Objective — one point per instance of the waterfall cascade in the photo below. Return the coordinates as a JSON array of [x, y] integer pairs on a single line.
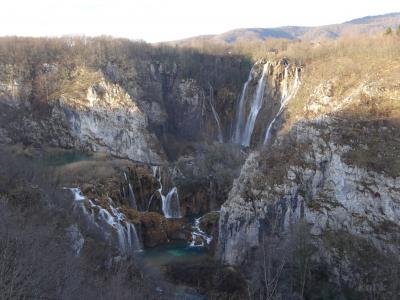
[[127, 239], [215, 114], [170, 202], [198, 234], [131, 194], [256, 105], [244, 127], [287, 94], [237, 135]]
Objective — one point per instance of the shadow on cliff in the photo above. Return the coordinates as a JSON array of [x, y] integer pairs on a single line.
[[170, 84]]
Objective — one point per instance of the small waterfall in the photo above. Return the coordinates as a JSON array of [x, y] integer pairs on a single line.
[[241, 110], [255, 107], [132, 197], [285, 98], [132, 237], [285, 83], [131, 194], [127, 238], [155, 170], [215, 114], [78, 196], [268, 133], [170, 202], [197, 232], [75, 238]]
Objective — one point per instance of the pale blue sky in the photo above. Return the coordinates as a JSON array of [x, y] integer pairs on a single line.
[[163, 20]]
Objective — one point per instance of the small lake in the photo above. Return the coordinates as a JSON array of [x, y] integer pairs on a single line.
[[172, 253], [177, 252]]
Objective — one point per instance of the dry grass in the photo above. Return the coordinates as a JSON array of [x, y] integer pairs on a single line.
[[369, 71], [92, 170], [77, 85], [348, 63], [374, 144], [369, 50]]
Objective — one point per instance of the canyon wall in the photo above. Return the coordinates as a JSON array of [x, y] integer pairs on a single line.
[[336, 171]]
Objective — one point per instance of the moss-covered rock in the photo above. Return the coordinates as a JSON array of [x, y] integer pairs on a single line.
[[156, 230], [209, 222]]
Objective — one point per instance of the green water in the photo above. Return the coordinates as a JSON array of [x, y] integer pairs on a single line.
[[176, 252], [164, 259]]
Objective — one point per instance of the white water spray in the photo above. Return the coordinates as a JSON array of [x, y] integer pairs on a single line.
[[127, 238], [132, 198], [215, 114], [241, 110], [285, 98], [170, 202], [255, 107], [199, 235]]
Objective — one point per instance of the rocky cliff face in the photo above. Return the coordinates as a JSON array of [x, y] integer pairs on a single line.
[[174, 89], [95, 115], [327, 158], [270, 86], [323, 172], [179, 102], [134, 101]]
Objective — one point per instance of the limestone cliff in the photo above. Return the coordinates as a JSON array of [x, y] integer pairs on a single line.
[[87, 113], [130, 99], [337, 170]]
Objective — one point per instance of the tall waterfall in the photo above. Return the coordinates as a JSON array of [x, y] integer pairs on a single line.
[[127, 239], [285, 98], [170, 202], [237, 135], [215, 114], [256, 105]]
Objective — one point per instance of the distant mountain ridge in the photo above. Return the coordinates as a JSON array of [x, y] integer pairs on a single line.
[[368, 25]]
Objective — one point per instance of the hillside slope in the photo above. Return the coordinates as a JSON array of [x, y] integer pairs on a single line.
[[321, 200], [313, 213], [366, 26]]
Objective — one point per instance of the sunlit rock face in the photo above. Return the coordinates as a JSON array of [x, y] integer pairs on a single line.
[[102, 117], [124, 108], [306, 176], [108, 120], [334, 169]]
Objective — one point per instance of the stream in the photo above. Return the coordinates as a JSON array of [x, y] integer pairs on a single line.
[[110, 219]]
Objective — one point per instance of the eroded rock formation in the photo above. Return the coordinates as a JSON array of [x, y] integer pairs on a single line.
[[323, 172]]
